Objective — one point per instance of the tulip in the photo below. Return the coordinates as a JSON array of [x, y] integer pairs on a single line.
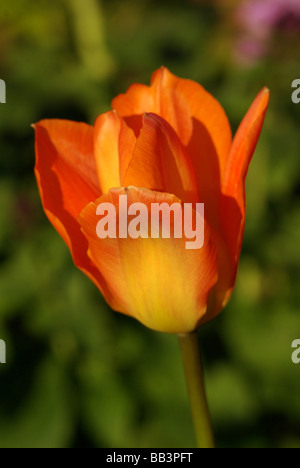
[[170, 141], [164, 143]]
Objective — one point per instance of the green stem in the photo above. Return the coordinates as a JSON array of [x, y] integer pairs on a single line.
[[195, 384]]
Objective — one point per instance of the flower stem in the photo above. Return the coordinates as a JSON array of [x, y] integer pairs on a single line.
[[195, 384]]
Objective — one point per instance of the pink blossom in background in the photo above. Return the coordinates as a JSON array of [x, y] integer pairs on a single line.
[[259, 21], [249, 50]]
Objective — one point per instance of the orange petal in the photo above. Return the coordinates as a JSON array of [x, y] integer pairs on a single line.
[[178, 101], [159, 161], [67, 179], [232, 206], [203, 128], [138, 99], [199, 121], [181, 100], [113, 143], [233, 182], [243, 147], [132, 105], [157, 281]]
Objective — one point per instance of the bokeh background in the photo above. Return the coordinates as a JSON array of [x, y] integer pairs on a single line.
[[77, 374]]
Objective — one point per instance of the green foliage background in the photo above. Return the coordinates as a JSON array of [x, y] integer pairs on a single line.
[[78, 374]]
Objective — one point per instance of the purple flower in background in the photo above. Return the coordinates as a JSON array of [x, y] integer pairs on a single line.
[[260, 20]]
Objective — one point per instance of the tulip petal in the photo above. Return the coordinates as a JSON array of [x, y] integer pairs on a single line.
[[181, 100], [233, 184], [199, 121], [158, 281], [138, 100], [243, 147], [160, 162], [67, 179], [233, 206], [114, 143], [202, 127], [178, 101]]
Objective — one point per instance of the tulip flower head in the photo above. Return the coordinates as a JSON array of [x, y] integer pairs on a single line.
[[166, 147]]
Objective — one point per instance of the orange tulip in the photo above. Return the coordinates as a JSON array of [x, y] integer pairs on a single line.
[[170, 142]]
